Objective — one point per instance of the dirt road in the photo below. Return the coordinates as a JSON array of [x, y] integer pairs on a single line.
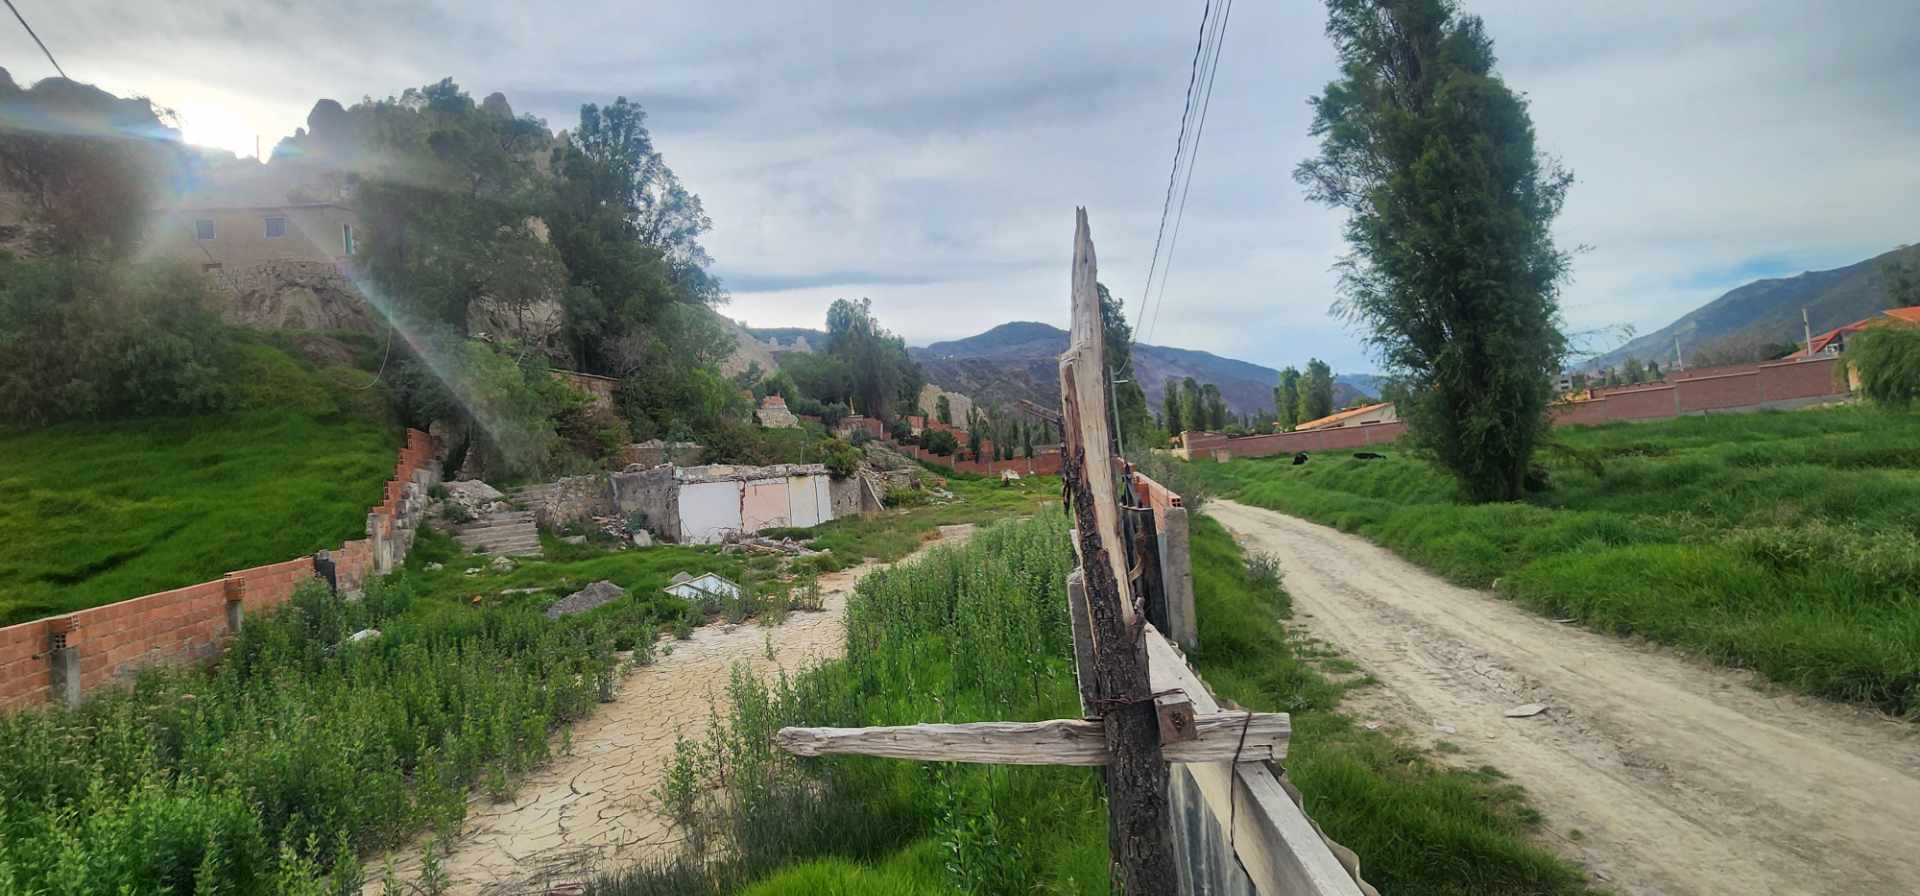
[[1679, 778], [593, 808]]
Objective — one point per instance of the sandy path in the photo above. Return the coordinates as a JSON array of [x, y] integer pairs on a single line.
[[594, 809], [1680, 778]]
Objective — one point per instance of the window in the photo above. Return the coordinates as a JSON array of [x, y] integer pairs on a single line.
[[203, 229], [346, 239], [276, 226]]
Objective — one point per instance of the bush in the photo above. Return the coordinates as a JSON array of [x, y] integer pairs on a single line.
[[90, 340], [842, 459], [1888, 360], [941, 442]]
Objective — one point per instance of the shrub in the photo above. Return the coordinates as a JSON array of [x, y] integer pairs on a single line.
[[90, 340], [941, 442], [1888, 360], [842, 459]]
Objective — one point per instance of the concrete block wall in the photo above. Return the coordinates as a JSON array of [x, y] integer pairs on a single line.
[[62, 658]]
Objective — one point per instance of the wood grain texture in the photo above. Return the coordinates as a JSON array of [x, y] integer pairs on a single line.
[[1282, 851], [1216, 738]]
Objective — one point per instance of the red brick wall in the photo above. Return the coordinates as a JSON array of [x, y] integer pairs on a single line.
[[182, 625], [1041, 464], [1785, 380]]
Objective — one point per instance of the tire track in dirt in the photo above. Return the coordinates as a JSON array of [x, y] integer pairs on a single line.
[[594, 809], [1680, 777]]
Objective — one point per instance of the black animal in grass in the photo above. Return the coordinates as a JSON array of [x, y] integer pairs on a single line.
[[1299, 458], [1368, 455]]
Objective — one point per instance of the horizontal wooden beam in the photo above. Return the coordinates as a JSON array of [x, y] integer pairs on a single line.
[[1217, 737]]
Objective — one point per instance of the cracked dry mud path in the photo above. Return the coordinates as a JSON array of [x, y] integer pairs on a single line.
[[594, 808], [1681, 778]]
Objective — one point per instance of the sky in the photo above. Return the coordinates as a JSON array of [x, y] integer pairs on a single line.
[[930, 156]]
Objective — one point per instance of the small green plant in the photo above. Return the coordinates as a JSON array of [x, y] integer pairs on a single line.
[[808, 597], [434, 880], [684, 625], [645, 644]]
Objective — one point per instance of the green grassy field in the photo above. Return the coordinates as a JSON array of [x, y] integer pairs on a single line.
[[94, 513], [1785, 542], [1418, 826], [895, 532]]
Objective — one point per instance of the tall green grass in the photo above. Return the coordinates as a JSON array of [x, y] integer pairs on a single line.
[[1785, 542], [301, 750], [92, 513], [1418, 827], [964, 634]]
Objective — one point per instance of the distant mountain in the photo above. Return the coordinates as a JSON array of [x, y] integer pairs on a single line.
[[1021, 360], [1768, 311]]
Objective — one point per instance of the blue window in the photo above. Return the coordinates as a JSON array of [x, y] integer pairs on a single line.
[[203, 229], [276, 226]]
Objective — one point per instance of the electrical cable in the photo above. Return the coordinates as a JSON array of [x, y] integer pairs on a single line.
[[37, 40]]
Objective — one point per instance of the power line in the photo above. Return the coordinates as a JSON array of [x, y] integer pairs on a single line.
[[1179, 149], [37, 40], [1186, 189]]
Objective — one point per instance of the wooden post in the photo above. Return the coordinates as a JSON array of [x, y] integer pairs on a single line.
[[1145, 549], [1140, 831]]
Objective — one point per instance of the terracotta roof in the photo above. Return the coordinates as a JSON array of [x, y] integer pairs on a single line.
[[1338, 416], [1909, 314]]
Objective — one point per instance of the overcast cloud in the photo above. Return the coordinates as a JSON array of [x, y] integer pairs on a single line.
[[930, 158]]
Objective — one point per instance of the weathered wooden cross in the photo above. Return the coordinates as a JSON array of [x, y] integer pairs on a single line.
[[1130, 730]]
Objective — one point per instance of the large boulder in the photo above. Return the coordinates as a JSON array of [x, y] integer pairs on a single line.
[[598, 594]]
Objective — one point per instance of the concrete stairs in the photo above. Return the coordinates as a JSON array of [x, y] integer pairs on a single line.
[[510, 533]]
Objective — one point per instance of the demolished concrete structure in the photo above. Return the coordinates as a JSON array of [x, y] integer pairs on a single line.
[[705, 504]]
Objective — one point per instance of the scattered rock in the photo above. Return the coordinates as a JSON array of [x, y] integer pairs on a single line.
[[1374, 725], [643, 539], [365, 634], [1446, 729], [474, 571], [597, 594], [501, 564], [1526, 710], [574, 539], [473, 496], [435, 567]]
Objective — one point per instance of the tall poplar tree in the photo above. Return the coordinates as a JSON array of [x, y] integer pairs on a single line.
[[1450, 207]]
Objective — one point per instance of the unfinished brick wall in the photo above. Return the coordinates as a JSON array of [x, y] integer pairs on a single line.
[[1040, 464], [64, 656]]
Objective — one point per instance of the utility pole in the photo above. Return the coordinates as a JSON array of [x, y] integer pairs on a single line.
[[1679, 363], [1806, 327]]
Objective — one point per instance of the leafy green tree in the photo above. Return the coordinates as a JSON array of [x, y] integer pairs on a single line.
[[876, 359], [1316, 391], [1635, 372], [1888, 362], [1193, 406], [941, 442], [1215, 407], [1170, 400], [611, 161], [1450, 208], [1134, 424], [1286, 398], [943, 410], [1653, 372]]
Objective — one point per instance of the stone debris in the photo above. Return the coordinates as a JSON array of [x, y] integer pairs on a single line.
[[474, 496], [756, 544], [1526, 710], [597, 594], [574, 539], [435, 566], [642, 539], [365, 634], [501, 564]]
